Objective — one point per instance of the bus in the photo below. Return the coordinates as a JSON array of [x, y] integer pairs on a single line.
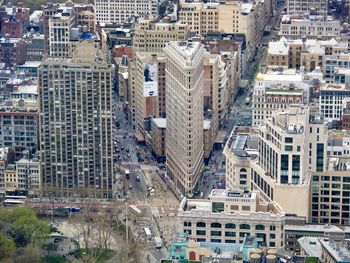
[[12, 200], [148, 232], [134, 209], [16, 197], [158, 242]]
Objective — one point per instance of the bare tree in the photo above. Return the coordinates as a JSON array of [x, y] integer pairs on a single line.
[[104, 230]]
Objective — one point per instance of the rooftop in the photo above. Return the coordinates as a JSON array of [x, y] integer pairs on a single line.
[[313, 228], [160, 122], [206, 124], [236, 193], [29, 89], [340, 251], [334, 87], [186, 49], [311, 246], [30, 64], [243, 142], [289, 76], [280, 47]]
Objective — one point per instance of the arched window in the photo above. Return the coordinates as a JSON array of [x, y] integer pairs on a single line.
[[259, 227], [192, 255], [243, 170], [187, 224], [201, 224], [216, 225], [243, 173]]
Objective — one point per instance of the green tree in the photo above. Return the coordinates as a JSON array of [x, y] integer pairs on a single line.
[[23, 226], [7, 247]]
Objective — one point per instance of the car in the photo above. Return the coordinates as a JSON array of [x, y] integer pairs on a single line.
[[124, 136], [127, 150], [130, 187], [122, 148], [118, 141], [138, 178], [129, 155]]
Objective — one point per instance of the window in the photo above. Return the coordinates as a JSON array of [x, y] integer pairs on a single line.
[[200, 232], [284, 168], [245, 208], [230, 226], [260, 235], [201, 224], [288, 148], [259, 227], [215, 233], [244, 226], [288, 140], [215, 225], [230, 234], [187, 224], [319, 157]]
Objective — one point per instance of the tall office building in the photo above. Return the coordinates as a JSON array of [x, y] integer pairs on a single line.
[[292, 144], [76, 123], [184, 100]]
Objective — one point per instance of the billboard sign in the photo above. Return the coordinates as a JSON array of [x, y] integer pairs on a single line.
[[150, 79]]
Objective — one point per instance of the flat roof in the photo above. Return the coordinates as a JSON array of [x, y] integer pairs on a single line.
[[283, 77], [30, 89], [206, 124], [234, 193], [283, 91], [160, 122], [198, 205], [338, 250], [334, 87], [311, 246], [313, 228]]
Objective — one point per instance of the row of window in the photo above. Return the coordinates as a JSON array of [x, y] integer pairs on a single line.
[[229, 226]]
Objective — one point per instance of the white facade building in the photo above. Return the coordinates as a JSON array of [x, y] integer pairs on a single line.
[[115, 11], [331, 100], [292, 144], [310, 26], [60, 26], [240, 149], [277, 90], [28, 175], [230, 215], [300, 7], [184, 109]]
